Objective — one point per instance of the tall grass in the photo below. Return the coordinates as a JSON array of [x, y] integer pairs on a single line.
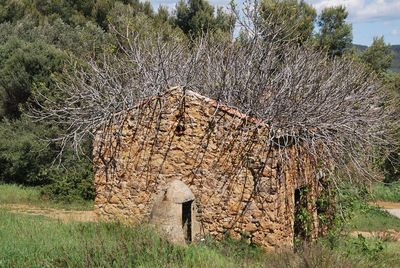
[[37, 241], [31, 241], [11, 193], [34, 241], [386, 192], [366, 217], [16, 194]]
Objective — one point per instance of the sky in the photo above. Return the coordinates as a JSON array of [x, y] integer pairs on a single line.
[[370, 18]]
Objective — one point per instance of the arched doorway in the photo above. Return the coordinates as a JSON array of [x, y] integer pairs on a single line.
[[173, 213]]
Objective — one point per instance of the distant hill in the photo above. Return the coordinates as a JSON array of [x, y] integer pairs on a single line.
[[396, 61], [360, 48]]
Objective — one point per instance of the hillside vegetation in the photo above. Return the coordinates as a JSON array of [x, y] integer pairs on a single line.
[[395, 49], [396, 61]]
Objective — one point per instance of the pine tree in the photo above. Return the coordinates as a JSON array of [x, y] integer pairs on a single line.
[[335, 34]]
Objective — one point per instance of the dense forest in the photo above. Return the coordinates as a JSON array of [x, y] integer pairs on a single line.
[[41, 41]]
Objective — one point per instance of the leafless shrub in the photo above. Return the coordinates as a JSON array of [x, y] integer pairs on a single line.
[[332, 107]]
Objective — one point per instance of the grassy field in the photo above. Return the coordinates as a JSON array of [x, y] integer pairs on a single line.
[[31, 241], [38, 241], [15, 194]]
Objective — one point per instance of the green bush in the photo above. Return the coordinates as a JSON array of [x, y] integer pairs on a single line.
[[391, 167], [69, 185], [26, 159], [22, 65], [23, 156], [386, 192]]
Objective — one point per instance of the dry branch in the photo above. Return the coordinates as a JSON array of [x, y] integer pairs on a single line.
[[332, 107]]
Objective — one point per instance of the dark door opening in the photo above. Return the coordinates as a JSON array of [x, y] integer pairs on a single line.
[[301, 215], [187, 220]]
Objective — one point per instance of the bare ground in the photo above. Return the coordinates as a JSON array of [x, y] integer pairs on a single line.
[[392, 207], [386, 205], [387, 235]]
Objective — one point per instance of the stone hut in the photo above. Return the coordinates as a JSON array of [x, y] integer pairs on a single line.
[[195, 167]]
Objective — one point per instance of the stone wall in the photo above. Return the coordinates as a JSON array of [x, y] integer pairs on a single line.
[[241, 186]]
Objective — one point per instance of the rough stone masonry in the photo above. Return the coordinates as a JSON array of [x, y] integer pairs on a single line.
[[194, 168]]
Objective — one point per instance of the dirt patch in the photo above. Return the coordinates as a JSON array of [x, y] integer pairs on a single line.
[[386, 205], [388, 235], [59, 214]]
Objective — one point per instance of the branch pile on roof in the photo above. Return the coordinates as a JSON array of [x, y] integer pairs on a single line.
[[333, 105]]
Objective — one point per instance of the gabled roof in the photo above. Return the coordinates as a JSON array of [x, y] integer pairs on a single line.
[[214, 103]]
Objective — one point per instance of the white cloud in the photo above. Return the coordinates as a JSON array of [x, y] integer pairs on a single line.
[[350, 4], [364, 10], [395, 32]]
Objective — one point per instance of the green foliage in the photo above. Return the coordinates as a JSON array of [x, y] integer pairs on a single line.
[[37, 38], [390, 165], [396, 61], [358, 215], [370, 248], [23, 156], [378, 56], [12, 10], [39, 11], [72, 183], [100, 12], [335, 34], [28, 160], [22, 65], [386, 192], [326, 204], [392, 82], [351, 200], [196, 17], [302, 216], [295, 18]]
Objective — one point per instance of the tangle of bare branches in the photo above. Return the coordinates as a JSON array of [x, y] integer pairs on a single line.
[[334, 108]]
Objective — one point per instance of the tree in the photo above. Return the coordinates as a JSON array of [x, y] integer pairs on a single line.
[[22, 65], [296, 19], [162, 14], [197, 16], [335, 35], [378, 56]]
